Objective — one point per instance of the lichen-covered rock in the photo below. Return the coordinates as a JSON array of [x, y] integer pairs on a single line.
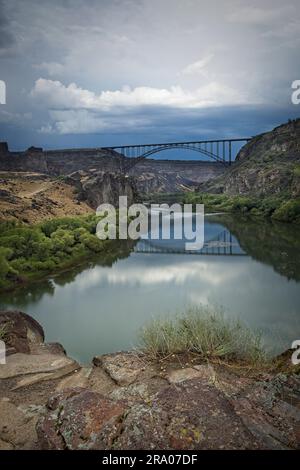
[[22, 332], [190, 415], [271, 411], [125, 402], [187, 373], [80, 419], [123, 368]]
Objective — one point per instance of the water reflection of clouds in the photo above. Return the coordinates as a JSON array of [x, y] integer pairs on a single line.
[[103, 308], [178, 272], [155, 284]]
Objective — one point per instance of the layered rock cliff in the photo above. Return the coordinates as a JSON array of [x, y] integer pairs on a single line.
[[169, 176], [151, 176], [59, 162], [268, 164], [97, 187]]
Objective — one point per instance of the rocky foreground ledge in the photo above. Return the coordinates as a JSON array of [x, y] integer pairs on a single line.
[[122, 401]]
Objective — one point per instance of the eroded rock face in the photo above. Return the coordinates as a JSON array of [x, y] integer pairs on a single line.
[[99, 187], [267, 165], [80, 419], [22, 332], [169, 176]]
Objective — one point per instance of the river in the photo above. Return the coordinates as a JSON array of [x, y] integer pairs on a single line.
[[248, 268]]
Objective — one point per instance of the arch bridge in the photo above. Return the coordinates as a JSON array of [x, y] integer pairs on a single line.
[[219, 150], [222, 244]]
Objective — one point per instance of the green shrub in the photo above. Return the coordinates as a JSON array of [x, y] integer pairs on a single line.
[[296, 170], [244, 204], [92, 243], [27, 251], [6, 269], [205, 332], [289, 211], [280, 207]]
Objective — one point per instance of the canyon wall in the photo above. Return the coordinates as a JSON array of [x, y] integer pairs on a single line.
[[59, 162], [268, 164], [150, 175], [167, 176]]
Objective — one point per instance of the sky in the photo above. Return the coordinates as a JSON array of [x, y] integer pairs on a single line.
[[86, 73]]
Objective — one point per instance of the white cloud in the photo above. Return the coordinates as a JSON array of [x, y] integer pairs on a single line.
[[57, 95], [76, 110], [197, 67], [198, 272]]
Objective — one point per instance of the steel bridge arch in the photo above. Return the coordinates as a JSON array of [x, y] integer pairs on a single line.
[[207, 153], [219, 150]]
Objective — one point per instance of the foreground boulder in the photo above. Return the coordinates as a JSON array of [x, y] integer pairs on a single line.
[[124, 401], [80, 419], [21, 331]]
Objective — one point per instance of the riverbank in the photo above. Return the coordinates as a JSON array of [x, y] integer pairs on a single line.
[[280, 208], [32, 252], [127, 401]]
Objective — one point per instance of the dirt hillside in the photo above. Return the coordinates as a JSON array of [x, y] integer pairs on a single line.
[[32, 197]]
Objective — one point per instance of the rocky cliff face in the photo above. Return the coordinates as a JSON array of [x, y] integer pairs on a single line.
[[38, 184], [32, 197], [59, 162], [150, 175], [169, 176], [97, 187], [268, 164]]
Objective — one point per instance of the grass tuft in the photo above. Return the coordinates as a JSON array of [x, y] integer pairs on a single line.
[[204, 331]]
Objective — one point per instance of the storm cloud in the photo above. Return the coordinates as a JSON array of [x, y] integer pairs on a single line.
[[108, 72]]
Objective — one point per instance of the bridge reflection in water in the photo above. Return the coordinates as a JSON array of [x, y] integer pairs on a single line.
[[223, 244]]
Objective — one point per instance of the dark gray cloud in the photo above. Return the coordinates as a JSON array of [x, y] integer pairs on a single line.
[[6, 36], [92, 71]]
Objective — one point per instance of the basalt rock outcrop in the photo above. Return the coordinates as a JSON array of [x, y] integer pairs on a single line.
[[150, 175], [268, 164], [97, 187], [58, 162], [124, 401], [169, 176]]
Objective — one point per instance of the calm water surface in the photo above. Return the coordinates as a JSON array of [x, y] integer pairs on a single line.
[[251, 269]]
